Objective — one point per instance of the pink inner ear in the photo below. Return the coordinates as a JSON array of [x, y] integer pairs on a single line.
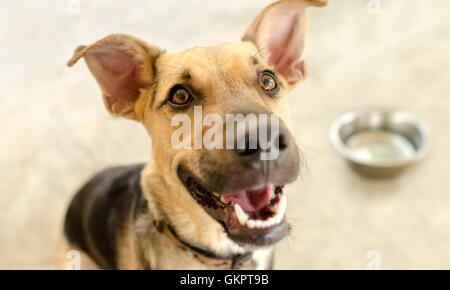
[[286, 44], [119, 76]]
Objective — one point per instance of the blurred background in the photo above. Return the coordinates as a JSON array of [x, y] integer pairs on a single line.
[[55, 132]]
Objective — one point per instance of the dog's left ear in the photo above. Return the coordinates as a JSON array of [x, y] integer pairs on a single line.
[[279, 33], [122, 65]]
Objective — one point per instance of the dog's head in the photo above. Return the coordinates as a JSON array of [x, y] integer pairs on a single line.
[[193, 103]]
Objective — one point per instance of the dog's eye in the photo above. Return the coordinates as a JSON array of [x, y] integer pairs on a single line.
[[180, 97], [268, 81]]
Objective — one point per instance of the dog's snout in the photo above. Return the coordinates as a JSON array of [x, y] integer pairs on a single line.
[[254, 149]]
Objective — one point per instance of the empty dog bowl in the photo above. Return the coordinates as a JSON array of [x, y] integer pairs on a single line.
[[379, 141]]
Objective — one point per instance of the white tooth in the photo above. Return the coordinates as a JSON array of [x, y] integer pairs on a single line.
[[251, 224], [216, 194], [272, 192], [241, 215], [276, 207], [280, 210], [264, 224], [223, 200], [281, 205], [277, 219]]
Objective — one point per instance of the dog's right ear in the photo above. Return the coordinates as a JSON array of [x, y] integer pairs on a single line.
[[122, 66], [279, 33]]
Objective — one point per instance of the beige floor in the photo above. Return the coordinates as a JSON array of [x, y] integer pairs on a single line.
[[55, 132]]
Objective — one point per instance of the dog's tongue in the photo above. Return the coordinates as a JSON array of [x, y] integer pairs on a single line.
[[251, 200]]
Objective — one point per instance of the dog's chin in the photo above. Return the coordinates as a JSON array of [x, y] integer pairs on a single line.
[[251, 218]]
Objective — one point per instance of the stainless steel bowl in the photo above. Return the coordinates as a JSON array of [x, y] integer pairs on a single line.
[[380, 141]]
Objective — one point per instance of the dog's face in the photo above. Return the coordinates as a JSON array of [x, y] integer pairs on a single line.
[[235, 185]]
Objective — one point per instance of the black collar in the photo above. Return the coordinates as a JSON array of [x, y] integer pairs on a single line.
[[208, 258]]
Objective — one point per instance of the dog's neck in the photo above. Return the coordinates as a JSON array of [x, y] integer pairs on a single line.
[[234, 262], [170, 202]]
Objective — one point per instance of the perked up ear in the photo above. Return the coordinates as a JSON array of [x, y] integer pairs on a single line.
[[122, 66], [279, 33]]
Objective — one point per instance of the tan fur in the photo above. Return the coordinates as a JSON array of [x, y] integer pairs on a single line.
[[142, 52], [128, 256], [161, 186], [184, 209], [225, 74]]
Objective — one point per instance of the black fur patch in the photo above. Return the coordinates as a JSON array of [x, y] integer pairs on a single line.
[[99, 211]]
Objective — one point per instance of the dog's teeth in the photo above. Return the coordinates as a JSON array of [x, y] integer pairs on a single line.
[[259, 224], [272, 192], [251, 224], [280, 207], [222, 199], [280, 210], [241, 215], [216, 194]]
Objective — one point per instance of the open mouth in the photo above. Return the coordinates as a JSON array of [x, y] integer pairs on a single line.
[[249, 216], [260, 208]]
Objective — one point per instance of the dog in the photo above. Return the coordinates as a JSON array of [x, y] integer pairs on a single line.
[[192, 208]]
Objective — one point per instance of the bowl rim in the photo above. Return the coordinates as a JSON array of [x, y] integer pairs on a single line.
[[345, 152]]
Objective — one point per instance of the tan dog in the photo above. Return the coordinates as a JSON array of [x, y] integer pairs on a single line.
[[192, 208]]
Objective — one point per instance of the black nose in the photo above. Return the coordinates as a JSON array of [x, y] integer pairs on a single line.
[[255, 150]]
